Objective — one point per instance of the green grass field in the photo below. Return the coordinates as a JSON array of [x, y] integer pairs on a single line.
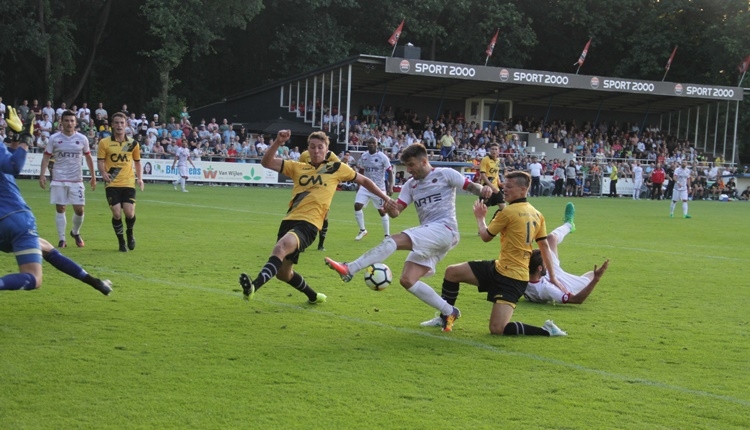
[[661, 343]]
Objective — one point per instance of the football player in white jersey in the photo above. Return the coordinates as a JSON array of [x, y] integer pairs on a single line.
[[541, 290], [682, 183], [637, 180], [373, 164], [182, 158], [433, 192], [66, 185]]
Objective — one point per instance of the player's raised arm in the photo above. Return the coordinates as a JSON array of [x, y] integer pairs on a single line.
[[269, 160]]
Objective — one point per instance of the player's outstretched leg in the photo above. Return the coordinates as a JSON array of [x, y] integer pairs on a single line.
[[570, 213], [341, 268]]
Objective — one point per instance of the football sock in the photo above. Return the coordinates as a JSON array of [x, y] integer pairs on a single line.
[[684, 208], [69, 267], [182, 182], [429, 296], [61, 224], [561, 232], [386, 221], [671, 208], [375, 255], [520, 329], [299, 283], [450, 292], [360, 217], [117, 226], [269, 270], [323, 232], [129, 223], [18, 281], [77, 223]]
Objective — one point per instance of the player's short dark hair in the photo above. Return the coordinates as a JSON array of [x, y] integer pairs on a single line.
[[415, 150], [67, 112], [522, 179], [320, 135], [535, 261]]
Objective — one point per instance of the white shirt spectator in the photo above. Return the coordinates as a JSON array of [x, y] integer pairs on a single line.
[[49, 111], [84, 114], [45, 127]]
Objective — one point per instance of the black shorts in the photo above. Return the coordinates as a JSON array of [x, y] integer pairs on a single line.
[[571, 182], [499, 288], [305, 232], [120, 195], [495, 199]]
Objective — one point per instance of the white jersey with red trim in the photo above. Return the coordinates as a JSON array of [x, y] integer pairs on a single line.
[[434, 196], [67, 152]]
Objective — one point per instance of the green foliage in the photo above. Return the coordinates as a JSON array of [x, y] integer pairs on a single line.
[[661, 342]]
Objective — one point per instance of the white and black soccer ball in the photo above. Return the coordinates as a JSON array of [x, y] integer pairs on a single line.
[[378, 276]]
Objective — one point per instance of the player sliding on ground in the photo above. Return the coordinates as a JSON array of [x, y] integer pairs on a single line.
[[314, 186], [540, 290]]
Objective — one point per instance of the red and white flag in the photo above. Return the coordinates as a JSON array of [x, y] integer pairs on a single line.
[[396, 34], [582, 58], [491, 46], [744, 65], [671, 57]]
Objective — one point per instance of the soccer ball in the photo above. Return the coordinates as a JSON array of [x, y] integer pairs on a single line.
[[378, 276]]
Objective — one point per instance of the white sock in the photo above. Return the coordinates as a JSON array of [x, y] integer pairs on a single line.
[[671, 208], [684, 208], [561, 232], [360, 217], [182, 182], [429, 296], [375, 255], [61, 222], [77, 223], [386, 221], [176, 182]]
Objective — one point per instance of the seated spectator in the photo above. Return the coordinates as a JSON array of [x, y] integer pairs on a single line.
[[731, 189], [745, 194], [717, 188], [158, 150]]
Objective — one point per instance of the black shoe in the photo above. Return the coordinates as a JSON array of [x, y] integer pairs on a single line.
[[247, 286], [123, 248], [78, 239], [131, 243], [104, 286], [62, 244]]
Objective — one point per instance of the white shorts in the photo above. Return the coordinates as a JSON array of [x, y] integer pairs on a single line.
[[430, 244], [544, 291], [182, 171], [678, 195], [67, 193], [364, 196]]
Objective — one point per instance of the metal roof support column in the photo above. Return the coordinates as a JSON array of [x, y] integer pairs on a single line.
[[298, 100], [330, 102], [494, 111], [645, 118], [726, 127], [338, 109], [440, 106], [734, 142], [348, 102], [598, 112], [716, 128], [697, 121], [679, 120], [705, 134], [315, 100], [687, 126], [281, 96], [307, 81]]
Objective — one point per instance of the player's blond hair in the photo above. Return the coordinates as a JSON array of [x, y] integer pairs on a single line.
[[320, 135]]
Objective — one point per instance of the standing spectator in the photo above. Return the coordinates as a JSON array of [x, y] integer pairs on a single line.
[[637, 180], [44, 126], [59, 111], [489, 174], [447, 146], [682, 179], [559, 178], [613, 179], [84, 114], [535, 170], [657, 180], [23, 110], [669, 173], [66, 185], [49, 111], [570, 178], [2, 109], [36, 108], [100, 114], [120, 167]]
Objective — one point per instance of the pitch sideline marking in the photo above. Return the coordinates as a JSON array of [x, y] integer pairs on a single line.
[[445, 338]]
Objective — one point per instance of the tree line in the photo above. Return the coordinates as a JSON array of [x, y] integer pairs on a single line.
[[156, 55]]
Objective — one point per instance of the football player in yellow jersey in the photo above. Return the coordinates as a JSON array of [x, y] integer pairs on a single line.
[[116, 158], [504, 280], [489, 174], [329, 158], [313, 189]]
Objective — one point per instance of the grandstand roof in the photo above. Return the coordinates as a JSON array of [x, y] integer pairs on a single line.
[[371, 74]]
